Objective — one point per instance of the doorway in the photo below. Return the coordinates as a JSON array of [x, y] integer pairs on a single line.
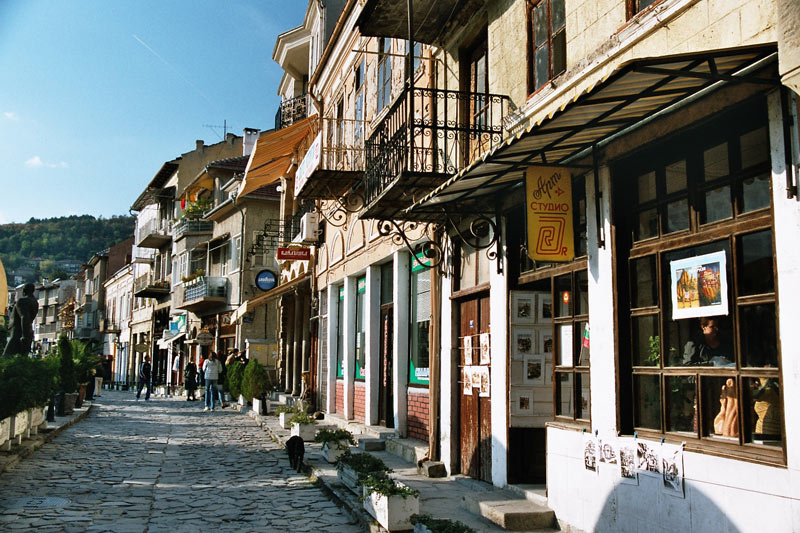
[[385, 398], [475, 424]]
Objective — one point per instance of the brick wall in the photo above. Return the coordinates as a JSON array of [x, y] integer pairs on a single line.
[[340, 396], [359, 400], [418, 415]]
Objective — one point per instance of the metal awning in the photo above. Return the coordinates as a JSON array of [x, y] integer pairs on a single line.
[[272, 156], [263, 299], [632, 94]]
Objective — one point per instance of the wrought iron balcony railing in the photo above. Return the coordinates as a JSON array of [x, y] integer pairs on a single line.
[[182, 227], [202, 291], [146, 286], [291, 111], [448, 131]]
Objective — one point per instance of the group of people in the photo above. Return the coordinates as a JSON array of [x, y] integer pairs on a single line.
[[207, 374]]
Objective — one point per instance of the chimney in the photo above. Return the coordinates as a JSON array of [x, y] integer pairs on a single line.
[[198, 145], [230, 138], [250, 138]]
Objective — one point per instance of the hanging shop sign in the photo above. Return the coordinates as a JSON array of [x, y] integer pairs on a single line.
[[699, 286], [266, 280], [141, 347], [204, 338], [294, 254], [548, 191]]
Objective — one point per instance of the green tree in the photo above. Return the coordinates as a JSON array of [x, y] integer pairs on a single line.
[[68, 380]]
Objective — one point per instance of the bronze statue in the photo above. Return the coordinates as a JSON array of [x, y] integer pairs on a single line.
[[22, 323]]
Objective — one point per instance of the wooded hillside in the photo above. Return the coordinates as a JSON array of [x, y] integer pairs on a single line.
[[75, 237]]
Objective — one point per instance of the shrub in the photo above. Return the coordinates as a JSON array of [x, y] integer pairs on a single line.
[[67, 376], [233, 379], [330, 436], [363, 464], [25, 383], [301, 417], [86, 363], [437, 525], [382, 484], [255, 380], [286, 409]]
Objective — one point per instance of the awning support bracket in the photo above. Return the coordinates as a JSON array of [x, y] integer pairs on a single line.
[[479, 227], [431, 250]]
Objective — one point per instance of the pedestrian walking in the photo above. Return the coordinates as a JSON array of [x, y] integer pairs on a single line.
[[144, 378], [211, 371], [190, 381]]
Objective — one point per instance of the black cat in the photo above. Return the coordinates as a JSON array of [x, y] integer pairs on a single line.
[[296, 450]]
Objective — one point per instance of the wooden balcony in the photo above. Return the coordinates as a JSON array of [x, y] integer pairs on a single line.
[[449, 130]]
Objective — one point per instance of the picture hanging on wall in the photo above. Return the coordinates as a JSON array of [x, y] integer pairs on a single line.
[[486, 350], [467, 380], [476, 377], [523, 308], [467, 350], [522, 403], [544, 311], [548, 373], [533, 369], [672, 469], [484, 390], [546, 340], [627, 461], [648, 458], [524, 341], [699, 286], [590, 452]]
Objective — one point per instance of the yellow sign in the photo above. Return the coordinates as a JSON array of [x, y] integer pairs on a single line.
[[548, 191]]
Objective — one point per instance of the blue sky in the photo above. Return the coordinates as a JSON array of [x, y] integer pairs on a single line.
[[95, 95]]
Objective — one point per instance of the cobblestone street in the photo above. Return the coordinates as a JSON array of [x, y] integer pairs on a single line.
[[163, 465]]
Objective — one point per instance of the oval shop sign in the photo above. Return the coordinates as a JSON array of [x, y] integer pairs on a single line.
[[266, 280]]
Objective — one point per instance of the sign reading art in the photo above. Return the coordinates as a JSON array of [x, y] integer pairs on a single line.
[[548, 191], [294, 254], [699, 286]]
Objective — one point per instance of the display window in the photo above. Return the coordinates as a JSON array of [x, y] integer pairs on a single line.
[[340, 334], [361, 333], [699, 357], [419, 327]]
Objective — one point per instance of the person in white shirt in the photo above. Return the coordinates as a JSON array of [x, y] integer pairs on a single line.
[[211, 370]]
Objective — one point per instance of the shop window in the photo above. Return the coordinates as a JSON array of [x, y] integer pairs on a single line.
[[361, 333], [420, 324], [571, 343], [340, 334], [547, 41], [700, 356]]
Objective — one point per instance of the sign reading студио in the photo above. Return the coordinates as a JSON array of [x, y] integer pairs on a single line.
[[548, 194]]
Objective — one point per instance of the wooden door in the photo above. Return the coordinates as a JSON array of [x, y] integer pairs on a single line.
[[475, 422], [385, 399]]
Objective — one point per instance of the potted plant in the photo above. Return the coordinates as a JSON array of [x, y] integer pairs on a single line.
[[351, 468], [335, 443], [425, 523], [86, 365], [389, 502], [256, 382], [285, 412], [234, 374], [303, 425]]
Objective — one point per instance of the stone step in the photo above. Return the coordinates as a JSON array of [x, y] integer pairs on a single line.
[[534, 493], [510, 511], [410, 450], [371, 444]]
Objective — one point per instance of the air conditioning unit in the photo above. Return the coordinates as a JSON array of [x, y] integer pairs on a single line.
[[309, 227]]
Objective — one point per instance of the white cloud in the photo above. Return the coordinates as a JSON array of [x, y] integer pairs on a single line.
[[10, 115], [36, 162]]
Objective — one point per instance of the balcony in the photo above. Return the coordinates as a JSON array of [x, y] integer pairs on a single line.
[[108, 326], [153, 234], [334, 162], [146, 286], [450, 130], [185, 227], [291, 111], [84, 333], [201, 293]]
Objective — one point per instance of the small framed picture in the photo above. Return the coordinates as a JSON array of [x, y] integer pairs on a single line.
[[548, 372], [523, 308], [467, 380], [523, 341], [533, 369], [544, 311], [484, 390], [546, 340], [522, 403]]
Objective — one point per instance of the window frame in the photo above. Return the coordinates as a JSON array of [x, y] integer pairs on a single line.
[[532, 48], [383, 84], [414, 341]]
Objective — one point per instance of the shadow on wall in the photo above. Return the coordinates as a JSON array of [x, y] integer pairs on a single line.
[[647, 507]]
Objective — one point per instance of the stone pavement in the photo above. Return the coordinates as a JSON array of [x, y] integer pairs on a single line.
[[163, 465]]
